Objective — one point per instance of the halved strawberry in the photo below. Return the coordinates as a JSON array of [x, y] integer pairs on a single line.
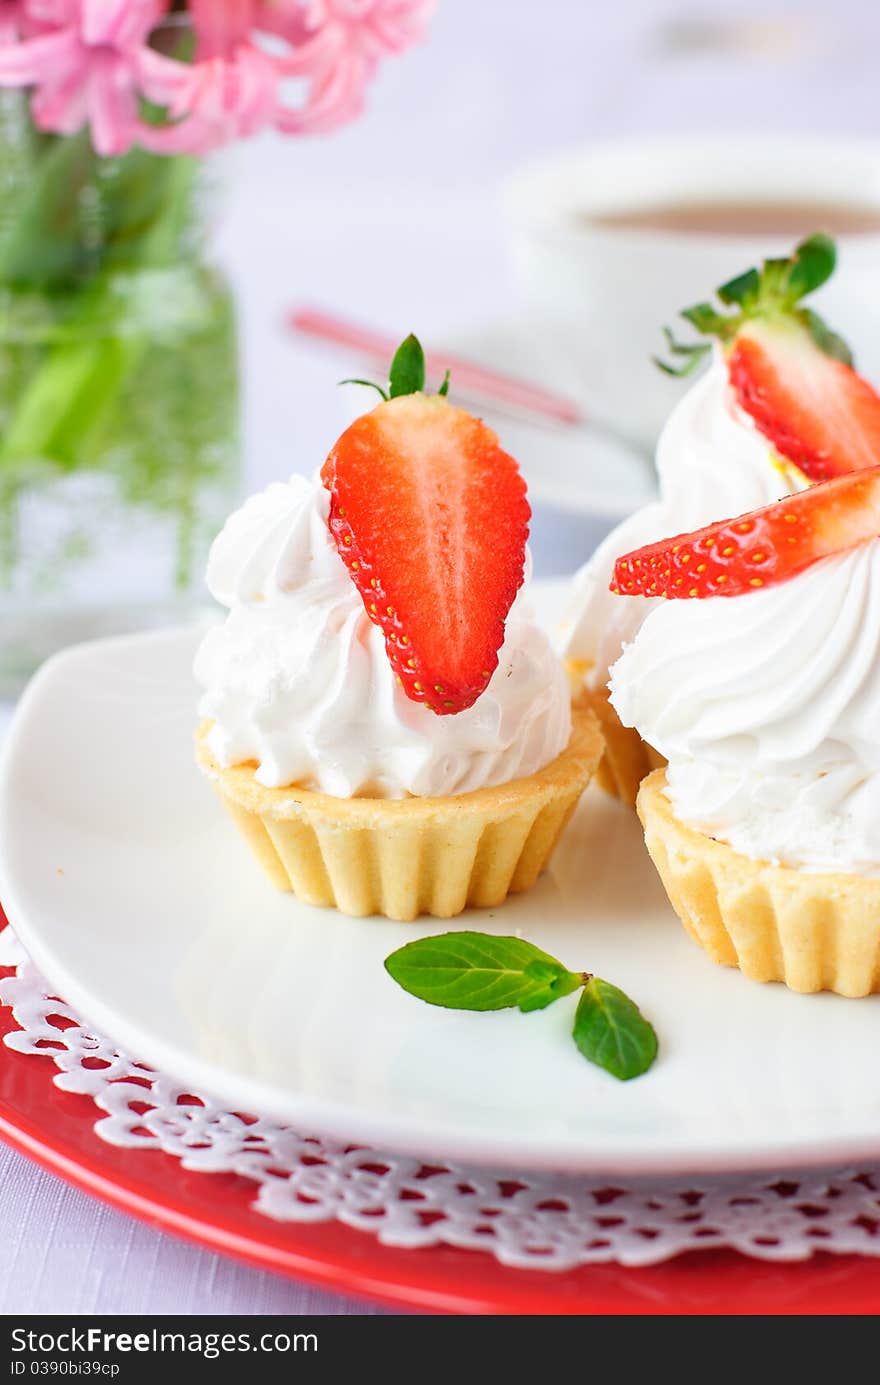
[[760, 549], [815, 410], [789, 371], [431, 519]]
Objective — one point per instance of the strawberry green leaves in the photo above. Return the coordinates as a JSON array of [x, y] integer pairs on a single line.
[[478, 971], [688, 355], [772, 292], [367, 385], [812, 266], [742, 290], [828, 342], [407, 375]]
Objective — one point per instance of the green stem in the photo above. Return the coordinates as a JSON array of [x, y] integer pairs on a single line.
[[67, 400], [186, 532], [42, 245], [8, 534], [115, 342]]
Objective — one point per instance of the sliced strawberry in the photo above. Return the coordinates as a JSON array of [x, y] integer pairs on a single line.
[[790, 371], [760, 549], [431, 520], [815, 410]]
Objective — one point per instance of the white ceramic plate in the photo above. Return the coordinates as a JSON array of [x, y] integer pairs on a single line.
[[582, 470], [129, 888]]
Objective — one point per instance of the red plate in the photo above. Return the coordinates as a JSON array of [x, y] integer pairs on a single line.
[[56, 1129]]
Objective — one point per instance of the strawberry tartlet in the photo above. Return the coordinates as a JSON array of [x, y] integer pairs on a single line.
[[385, 722], [779, 408], [758, 678]]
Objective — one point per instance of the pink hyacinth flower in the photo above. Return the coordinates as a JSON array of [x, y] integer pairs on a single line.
[[19, 19], [341, 43], [13, 19], [221, 26], [333, 46], [236, 86], [86, 69], [209, 103], [90, 62]]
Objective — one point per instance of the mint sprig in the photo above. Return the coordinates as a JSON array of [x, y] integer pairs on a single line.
[[478, 971], [610, 1029], [772, 292], [407, 375]]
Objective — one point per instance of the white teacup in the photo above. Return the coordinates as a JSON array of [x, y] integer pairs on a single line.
[[598, 296]]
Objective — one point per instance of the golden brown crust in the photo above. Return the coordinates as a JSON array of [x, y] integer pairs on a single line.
[[403, 857], [627, 759], [813, 932]]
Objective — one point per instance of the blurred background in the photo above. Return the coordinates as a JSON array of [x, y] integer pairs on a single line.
[[418, 216], [398, 221]]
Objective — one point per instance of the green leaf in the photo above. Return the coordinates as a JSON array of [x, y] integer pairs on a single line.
[[812, 265], [684, 348], [367, 384], [743, 289], [477, 971], [704, 317], [444, 388], [40, 232], [825, 339], [611, 1031], [680, 371], [772, 292], [693, 353], [407, 374]]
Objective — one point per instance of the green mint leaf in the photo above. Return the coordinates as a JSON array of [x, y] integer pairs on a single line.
[[444, 388], [539, 970], [407, 375], [741, 290], [368, 384], [812, 265], [559, 981], [611, 1031], [477, 971]]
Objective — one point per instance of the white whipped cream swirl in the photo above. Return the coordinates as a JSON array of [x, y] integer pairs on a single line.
[[298, 681], [767, 707], [713, 463]]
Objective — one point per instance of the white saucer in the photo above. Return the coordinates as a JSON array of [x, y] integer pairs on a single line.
[[129, 888], [584, 470]]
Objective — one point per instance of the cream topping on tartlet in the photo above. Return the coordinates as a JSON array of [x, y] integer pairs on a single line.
[[767, 707], [711, 460], [297, 678]]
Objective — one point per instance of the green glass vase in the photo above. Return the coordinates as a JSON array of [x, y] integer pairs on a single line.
[[119, 454]]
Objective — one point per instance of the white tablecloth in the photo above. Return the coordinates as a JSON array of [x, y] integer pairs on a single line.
[[395, 221]]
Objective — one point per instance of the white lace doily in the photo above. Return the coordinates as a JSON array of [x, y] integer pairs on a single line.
[[528, 1220]]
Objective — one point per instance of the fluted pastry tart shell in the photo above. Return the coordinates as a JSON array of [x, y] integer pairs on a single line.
[[405, 857], [812, 932], [626, 759]]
